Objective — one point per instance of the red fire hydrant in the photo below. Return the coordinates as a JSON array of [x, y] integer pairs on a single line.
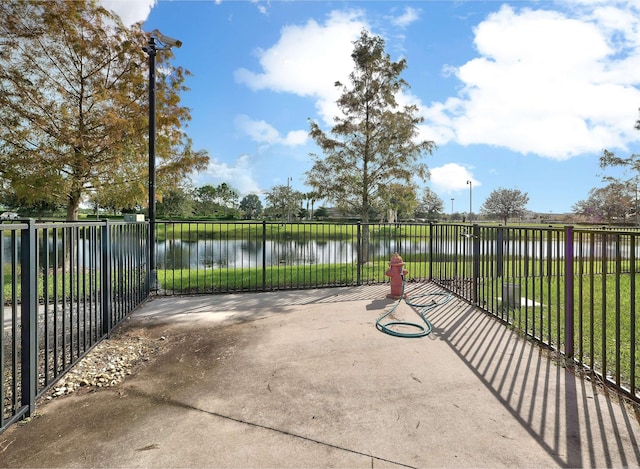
[[396, 273]]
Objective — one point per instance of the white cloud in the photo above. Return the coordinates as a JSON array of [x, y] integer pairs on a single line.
[[548, 84], [130, 11], [409, 16], [308, 60], [263, 133], [452, 177], [239, 175]]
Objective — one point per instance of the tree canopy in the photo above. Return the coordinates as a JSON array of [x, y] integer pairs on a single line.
[[616, 201], [74, 108], [430, 206], [374, 142], [505, 203]]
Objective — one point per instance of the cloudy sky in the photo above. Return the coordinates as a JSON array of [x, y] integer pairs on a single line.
[[515, 94]]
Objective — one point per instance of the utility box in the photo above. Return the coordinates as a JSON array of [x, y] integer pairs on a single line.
[[511, 295], [133, 217]]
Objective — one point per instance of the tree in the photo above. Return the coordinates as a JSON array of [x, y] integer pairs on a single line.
[[372, 143], [283, 202], [614, 201], [74, 107], [429, 205], [220, 201], [250, 206], [631, 171], [227, 200], [178, 202], [399, 201], [505, 203], [206, 198], [321, 213]]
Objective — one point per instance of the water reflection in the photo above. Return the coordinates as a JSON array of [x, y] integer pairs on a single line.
[[54, 251]]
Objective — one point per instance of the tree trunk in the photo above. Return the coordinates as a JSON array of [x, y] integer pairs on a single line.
[[73, 204]]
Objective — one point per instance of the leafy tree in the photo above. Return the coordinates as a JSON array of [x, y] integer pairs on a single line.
[[430, 206], [227, 199], [283, 202], [74, 107], [372, 143], [505, 203], [251, 206], [614, 201], [631, 171], [399, 201], [321, 213], [206, 198], [220, 201], [179, 202]]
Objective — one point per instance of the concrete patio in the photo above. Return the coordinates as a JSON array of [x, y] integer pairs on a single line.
[[304, 379]]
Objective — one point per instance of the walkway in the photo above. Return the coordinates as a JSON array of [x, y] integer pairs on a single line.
[[304, 379]]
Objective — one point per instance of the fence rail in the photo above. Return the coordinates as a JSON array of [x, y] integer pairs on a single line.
[[64, 286]]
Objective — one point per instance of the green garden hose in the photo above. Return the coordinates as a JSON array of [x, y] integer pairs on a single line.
[[421, 309]]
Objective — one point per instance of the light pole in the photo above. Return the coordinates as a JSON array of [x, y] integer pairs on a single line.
[[470, 198], [164, 43], [452, 199]]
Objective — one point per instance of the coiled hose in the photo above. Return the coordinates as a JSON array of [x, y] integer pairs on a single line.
[[421, 309]]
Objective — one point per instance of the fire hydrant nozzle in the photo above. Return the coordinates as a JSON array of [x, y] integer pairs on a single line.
[[396, 273]]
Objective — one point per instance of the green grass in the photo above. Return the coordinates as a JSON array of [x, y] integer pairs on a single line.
[[273, 278], [605, 308]]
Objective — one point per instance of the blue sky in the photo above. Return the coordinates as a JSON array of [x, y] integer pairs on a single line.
[[515, 94]]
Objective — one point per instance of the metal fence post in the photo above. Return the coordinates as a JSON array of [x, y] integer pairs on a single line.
[[499, 250], [358, 253], [264, 255], [568, 290], [105, 277], [476, 262], [29, 316], [430, 250]]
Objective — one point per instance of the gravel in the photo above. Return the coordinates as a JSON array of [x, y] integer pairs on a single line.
[[108, 363]]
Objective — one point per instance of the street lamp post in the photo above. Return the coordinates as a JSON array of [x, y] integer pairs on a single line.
[[452, 199], [470, 199], [164, 43]]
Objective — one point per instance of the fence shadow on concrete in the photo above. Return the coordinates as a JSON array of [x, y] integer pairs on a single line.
[[567, 413]]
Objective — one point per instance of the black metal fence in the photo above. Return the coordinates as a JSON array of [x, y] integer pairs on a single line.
[[64, 286], [576, 291]]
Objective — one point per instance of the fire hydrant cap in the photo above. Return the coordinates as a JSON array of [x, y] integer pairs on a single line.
[[396, 260]]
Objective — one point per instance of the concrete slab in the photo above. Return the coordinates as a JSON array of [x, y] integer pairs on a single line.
[[304, 379]]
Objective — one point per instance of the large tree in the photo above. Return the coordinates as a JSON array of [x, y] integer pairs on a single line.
[[616, 201], [374, 141], [429, 205], [631, 173], [74, 107], [283, 202], [505, 203], [399, 201], [251, 206]]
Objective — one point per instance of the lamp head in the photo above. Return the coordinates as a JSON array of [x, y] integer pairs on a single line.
[[167, 40]]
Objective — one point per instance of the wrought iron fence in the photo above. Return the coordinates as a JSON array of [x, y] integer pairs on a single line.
[[65, 286], [574, 290], [204, 257]]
